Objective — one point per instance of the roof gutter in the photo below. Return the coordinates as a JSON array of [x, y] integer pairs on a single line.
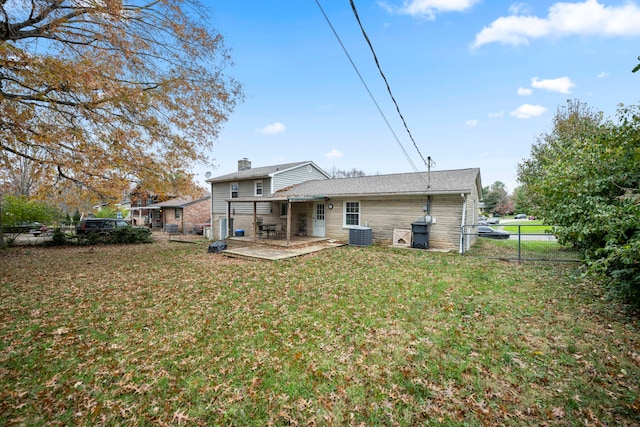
[[306, 198]]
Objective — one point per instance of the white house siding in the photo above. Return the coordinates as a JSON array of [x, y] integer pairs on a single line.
[[295, 176], [222, 192], [385, 215]]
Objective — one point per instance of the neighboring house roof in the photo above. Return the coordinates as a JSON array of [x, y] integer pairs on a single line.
[[181, 202], [262, 172], [441, 182]]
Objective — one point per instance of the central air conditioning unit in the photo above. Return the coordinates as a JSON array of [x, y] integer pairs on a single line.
[[360, 236]]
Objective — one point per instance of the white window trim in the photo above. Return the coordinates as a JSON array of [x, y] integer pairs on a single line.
[[231, 190], [255, 188], [344, 213]]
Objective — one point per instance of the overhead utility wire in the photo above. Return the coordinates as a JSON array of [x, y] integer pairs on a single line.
[[406, 155], [375, 57]]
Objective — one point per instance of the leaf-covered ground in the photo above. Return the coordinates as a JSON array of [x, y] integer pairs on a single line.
[[167, 334]]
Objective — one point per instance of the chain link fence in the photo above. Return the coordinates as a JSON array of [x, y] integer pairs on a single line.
[[518, 242]]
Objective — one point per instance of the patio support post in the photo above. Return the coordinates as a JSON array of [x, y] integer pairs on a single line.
[[255, 221], [288, 221]]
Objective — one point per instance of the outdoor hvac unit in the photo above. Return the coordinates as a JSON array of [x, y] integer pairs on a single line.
[[360, 236], [171, 228]]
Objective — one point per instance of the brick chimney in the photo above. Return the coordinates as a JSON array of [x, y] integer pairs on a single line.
[[244, 164]]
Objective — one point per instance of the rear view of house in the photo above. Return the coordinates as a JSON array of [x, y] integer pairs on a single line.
[[299, 199]]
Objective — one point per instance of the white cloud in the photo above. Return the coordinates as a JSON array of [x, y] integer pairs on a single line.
[[564, 19], [561, 84], [429, 8], [520, 9], [524, 91], [471, 123], [273, 129], [496, 115], [603, 75], [526, 111], [333, 154]]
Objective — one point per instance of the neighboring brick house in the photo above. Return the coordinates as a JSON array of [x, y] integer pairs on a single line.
[[185, 214], [143, 207]]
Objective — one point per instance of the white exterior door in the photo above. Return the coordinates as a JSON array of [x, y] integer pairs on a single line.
[[318, 219]]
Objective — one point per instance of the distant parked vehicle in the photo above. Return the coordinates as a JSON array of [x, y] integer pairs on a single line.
[[102, 225], [492, 233], [520, 216], [493, 221]]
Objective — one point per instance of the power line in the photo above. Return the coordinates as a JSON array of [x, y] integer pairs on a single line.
[[406, 155], [375, 57]]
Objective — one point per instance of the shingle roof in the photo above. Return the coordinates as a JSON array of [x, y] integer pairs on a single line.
[[181, 202], [441, 182], [259, 172]]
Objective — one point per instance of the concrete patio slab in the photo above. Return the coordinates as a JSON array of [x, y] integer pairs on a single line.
[[273, 253]]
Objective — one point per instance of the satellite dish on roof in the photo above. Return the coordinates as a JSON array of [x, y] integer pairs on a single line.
[[207, 174]]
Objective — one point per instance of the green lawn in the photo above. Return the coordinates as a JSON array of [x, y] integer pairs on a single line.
[[527, 227], [166, 333]]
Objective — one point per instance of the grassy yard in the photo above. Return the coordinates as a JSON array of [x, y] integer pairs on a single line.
[[167, 334], [527, 227]]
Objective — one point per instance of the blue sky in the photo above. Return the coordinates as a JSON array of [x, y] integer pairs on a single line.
[[476, 81]]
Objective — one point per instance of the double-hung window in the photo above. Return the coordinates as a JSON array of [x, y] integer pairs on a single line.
[[234, 190], [351, 213], [259, 188]]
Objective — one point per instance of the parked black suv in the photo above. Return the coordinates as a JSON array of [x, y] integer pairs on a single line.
[[100, 225]]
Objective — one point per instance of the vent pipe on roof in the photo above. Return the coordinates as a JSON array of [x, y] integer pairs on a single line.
[[244, 164]]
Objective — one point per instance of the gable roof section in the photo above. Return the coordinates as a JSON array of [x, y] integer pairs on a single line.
[[181, 202], [442, 182], [262, 172]]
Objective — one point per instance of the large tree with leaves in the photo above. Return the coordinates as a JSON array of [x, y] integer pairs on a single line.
[[584, 177], [496, 199], [102, 93]]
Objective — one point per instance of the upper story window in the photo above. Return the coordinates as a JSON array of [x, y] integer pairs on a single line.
[[351, 213], [234, 190], [259, 189]]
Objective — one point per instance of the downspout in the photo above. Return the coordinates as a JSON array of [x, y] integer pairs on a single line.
[[211, 214], [464, 220], [228, 219]]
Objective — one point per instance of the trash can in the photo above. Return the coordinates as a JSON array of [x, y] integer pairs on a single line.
[[420, 231], [239, 232]]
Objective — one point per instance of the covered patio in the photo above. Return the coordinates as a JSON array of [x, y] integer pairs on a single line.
[[277, 230]]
